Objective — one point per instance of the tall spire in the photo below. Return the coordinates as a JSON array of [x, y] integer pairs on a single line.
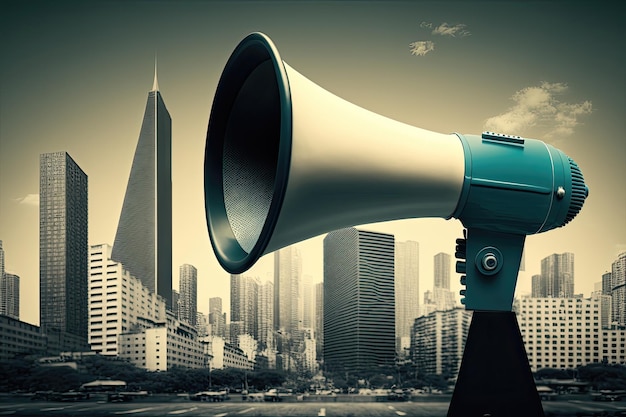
[[155, 85]]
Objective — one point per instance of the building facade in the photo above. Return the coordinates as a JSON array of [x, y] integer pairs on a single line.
[[19, 338], [438, 340], [63, 249], [10, 295], [288, 303], [217, 319], [618, 290], [118, 302], [143, 242], [359, 302], [567, 332], [188, 294], [244, 297], [162, 345], [557, 276], [406, 292]]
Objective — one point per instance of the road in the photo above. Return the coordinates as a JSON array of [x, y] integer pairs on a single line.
[[286, 409]]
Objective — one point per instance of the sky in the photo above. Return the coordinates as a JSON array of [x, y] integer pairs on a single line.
[[75, 77]]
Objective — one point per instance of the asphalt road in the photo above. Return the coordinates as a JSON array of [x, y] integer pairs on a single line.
[[286, 409]]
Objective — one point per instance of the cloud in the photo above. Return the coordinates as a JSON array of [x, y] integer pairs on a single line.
[[29, 200], [426, 25], [454, 31], [539, 107], [421, 48]]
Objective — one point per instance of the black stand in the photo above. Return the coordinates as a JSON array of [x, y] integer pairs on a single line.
[[495, 378]]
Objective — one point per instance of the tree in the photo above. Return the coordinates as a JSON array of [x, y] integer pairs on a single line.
[[604, 376]]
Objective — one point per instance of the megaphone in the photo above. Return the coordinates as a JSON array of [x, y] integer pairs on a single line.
[[286, 160]]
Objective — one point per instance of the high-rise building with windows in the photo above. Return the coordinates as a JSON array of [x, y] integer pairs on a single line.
[[9, 291], [438, 340], [442, 270], [557, 274], [568, 332], [406, 292], [10, 295], [1, 259], [266, 315], [63, 250], [359, 302], [618, 290], [143, 242], [243, 306], [217, 319], [288, 304], [188, 294], [118, 302]]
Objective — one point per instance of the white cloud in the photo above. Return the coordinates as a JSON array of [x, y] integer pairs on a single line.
[[426, 25], [421, 48], [539, 107], [29, 200], [454, 31]]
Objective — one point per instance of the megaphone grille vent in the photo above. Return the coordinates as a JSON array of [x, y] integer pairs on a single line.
[[248, 190], [579, 192]]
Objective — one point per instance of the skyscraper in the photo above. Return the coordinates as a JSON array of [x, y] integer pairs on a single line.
[[217, 319], [557, 272], [188, 294], [9, 291], [143, 242], [63, 250], [359, 303], [442, 296], [442, 270], [618, 290], [10, 295], [406, 291], [244, 295], [288, 303], [1, 259]]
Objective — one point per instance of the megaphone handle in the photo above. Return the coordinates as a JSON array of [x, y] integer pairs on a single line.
[[490, 261]]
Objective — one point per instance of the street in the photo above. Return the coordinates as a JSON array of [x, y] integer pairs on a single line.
[[573, 408]]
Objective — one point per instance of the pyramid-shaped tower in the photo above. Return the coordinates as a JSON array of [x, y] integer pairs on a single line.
[[143, 242]]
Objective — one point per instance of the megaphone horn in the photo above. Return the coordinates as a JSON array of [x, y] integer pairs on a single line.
[[286, 160]]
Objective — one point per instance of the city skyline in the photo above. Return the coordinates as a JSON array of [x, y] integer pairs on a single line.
[[88, 99]]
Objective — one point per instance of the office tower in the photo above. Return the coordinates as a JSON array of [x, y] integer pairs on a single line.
[[618, 290], [558, 272], [1, 259], [143, 242], [438, 340], [63, 250], [287, 289], [359, 303], [175, 302], [607, 283], [243, 306], [188, 294], [538, 286], [118, 302], [308, 302], [442, 270], [9, 291], [406, 291], [217, 319], [10, 295], [319, 320], [266, 315], [443, 298]]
